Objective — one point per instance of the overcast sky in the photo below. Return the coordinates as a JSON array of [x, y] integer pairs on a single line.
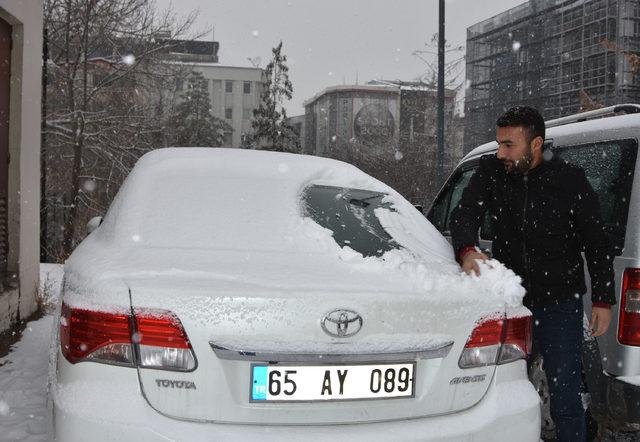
[[330, 42]]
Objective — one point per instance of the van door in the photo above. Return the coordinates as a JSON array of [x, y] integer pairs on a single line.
[[610, 168], [440, 213]]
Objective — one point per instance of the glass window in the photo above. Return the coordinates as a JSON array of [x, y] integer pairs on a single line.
[[228, 113], [609, 167], [349, 214], [228, 86], [247, 87], [449, 199]]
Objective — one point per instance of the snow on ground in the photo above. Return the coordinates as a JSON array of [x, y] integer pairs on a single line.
[[24, 371]]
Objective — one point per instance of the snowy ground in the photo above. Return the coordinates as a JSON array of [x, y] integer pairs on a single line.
[[23, 374]]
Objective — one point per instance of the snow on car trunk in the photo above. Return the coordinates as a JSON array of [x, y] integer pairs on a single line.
[[238, 317], [274, 276]]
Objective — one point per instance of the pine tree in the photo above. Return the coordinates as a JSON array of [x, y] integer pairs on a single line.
[[269, 124], [195, 124]]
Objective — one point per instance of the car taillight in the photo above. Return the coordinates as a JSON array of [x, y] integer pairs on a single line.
[[150, 339], [95, 336], [162, 342], [497, 341], [629, 324]]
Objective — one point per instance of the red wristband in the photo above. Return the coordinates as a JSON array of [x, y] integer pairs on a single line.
[[601, 304], [464, 251]]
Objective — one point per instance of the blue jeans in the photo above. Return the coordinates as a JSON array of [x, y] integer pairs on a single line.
[[557, 334]]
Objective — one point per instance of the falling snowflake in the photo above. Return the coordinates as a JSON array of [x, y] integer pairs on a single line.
[[516, 46], [398, 155], [255, 33], [89, 185], [129, 59]]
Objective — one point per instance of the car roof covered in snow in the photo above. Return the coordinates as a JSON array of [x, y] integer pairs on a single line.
[[232, 199]]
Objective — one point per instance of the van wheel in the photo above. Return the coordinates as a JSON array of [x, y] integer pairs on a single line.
[[539, 381]]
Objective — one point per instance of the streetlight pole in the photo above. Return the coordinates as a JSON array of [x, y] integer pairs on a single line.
[[440, 153]]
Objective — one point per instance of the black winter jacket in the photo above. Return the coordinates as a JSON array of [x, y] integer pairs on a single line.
[[542, 222]]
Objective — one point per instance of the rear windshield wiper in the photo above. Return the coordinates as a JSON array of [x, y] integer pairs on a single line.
[[362, 202]]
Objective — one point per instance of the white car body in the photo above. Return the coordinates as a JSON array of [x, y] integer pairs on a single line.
[[223, 239]]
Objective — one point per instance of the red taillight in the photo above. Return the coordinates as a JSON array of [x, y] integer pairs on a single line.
[[629, 324], [517, 340], [86, 334], [154, 339], [497, 341], [486, 333], [160, 329]]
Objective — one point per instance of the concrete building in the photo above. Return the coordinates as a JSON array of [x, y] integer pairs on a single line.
[[234, 91], [346, 117], [386, 128], [20, 102], [557, 55]]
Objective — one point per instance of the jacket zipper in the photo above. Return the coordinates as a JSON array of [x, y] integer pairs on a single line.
[[524, 232]]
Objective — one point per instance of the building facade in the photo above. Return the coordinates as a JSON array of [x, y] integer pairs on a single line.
[[387, 129], [234, 90], [343, 118], [20, 102], [560, 56]]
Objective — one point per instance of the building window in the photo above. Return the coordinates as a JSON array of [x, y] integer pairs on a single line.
[[247, 87], [228, 113], [179, 84], [228, 139], [228, 86]]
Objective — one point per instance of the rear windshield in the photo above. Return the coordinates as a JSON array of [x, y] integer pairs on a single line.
[[349, 214]]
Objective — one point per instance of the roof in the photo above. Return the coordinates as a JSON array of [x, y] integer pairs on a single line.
[[353, 88], [585, 128]]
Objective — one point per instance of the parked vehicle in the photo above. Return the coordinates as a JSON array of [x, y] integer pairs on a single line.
[[605, 144], [247, 295]]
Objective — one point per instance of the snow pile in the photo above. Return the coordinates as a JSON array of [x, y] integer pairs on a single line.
[[234, 217]]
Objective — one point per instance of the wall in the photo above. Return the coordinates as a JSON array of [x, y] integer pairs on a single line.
[[24, 149]]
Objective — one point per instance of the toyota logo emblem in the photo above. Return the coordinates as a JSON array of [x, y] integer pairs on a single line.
[[341, 323]]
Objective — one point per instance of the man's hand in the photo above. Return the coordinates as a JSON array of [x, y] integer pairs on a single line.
[[600, 320], [469, 262]]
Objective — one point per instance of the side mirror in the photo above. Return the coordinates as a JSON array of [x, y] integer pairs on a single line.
[[93, 224]]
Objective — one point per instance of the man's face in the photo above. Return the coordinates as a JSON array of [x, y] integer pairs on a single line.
[[514, 149]]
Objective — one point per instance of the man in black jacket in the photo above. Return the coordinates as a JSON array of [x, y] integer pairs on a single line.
[[544, 214]]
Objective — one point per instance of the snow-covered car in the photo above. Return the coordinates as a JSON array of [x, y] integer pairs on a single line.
[[246, 295]]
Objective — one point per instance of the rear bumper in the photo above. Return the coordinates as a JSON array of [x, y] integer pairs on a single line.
[[509, 411], [623, 402]]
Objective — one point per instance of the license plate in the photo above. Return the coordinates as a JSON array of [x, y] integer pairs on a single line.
[[281, 383]]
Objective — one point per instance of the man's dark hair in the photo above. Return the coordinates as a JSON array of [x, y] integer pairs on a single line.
[[524, 116]]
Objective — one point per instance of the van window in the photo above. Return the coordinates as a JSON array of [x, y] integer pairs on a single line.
[[609, 167], [441, 211]]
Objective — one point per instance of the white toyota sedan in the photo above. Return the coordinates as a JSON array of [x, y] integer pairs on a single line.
[[247, 295]]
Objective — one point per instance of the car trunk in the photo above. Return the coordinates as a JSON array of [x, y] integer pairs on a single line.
[[240, 315]]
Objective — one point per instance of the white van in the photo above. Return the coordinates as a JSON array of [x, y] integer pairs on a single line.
[[604, 143]]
